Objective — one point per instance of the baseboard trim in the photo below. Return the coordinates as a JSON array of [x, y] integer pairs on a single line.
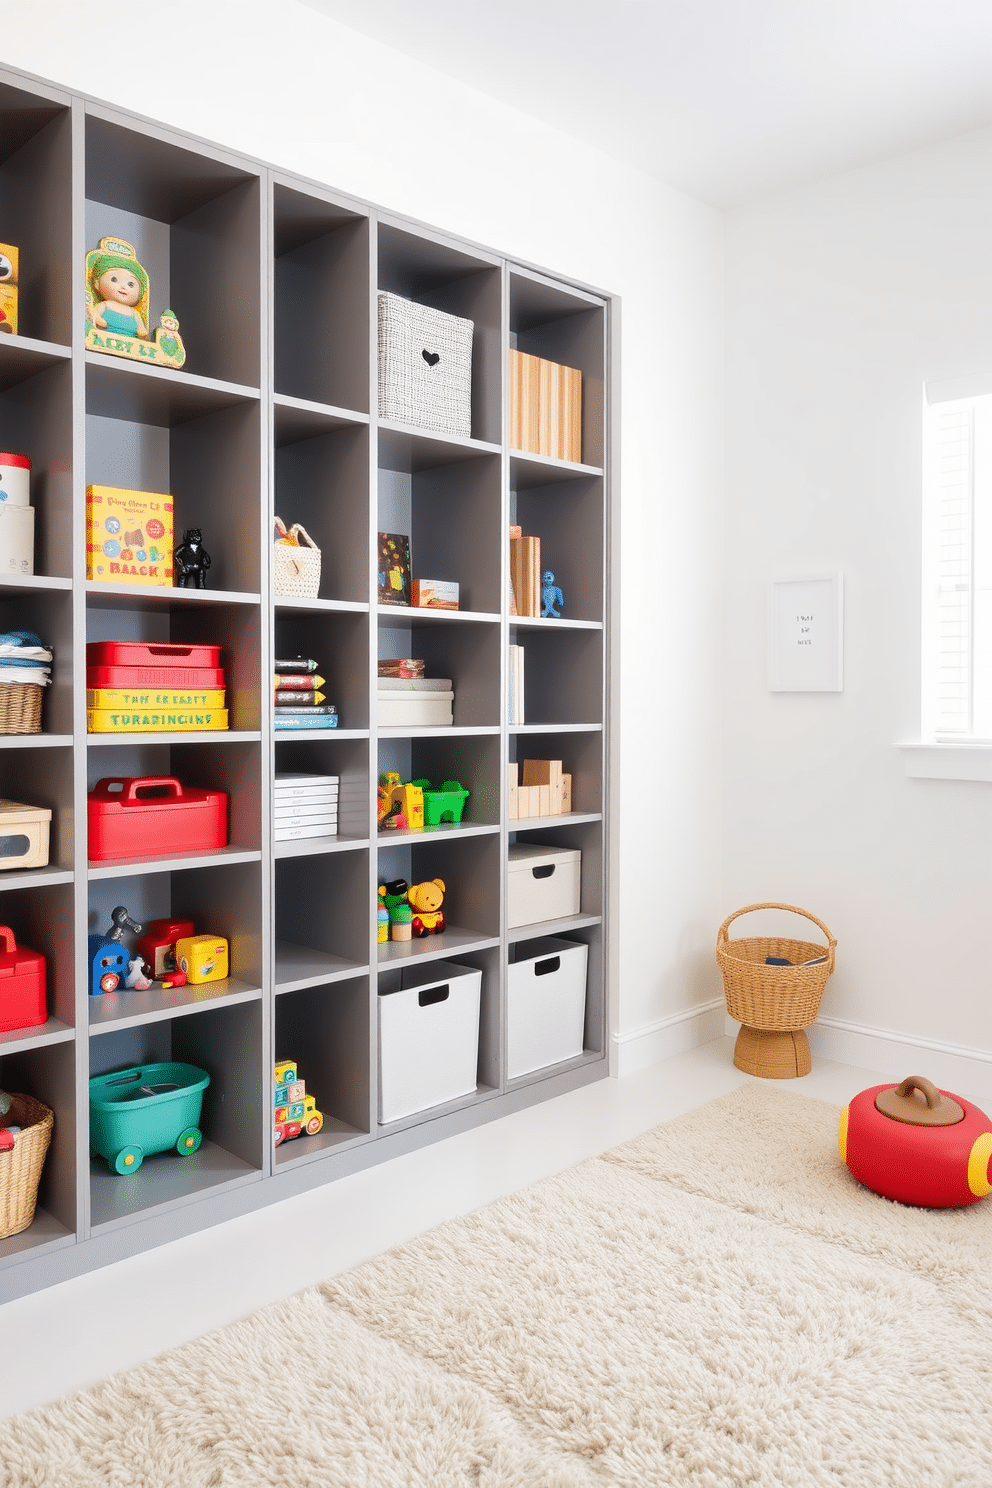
[[640, 1048], [895, 1055]]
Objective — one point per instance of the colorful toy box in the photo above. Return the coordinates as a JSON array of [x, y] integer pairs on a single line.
[[9, 264], [128, 536], [151, 1108], [142, 687], [22, 984], [153, 814], [203, 958]]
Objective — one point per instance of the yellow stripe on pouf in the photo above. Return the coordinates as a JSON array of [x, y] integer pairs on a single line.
[[842, 1134], [978, 1165]]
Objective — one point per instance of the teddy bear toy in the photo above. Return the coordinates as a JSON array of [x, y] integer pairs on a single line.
[[425, 900]]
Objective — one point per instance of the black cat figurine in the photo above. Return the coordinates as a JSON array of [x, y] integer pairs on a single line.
[[192, 561]]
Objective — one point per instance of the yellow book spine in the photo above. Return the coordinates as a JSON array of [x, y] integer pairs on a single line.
[[117, 700], [135, 721]]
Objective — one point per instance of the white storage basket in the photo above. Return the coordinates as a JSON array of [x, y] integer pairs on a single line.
[[546, 1004], [428, 1037], [425, 366]]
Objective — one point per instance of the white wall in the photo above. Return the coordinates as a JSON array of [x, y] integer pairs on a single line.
[[284, 84], [843, 298]]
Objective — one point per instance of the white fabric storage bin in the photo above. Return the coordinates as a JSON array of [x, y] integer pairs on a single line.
[[428, 1038], [425, 366], [543, 883], [546, 1003]]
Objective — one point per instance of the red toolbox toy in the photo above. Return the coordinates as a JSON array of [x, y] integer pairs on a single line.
[[22, 984], [158, 944], [153, 814]]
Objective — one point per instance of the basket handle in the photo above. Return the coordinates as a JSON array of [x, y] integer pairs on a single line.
[[284, 536], [298, 530], [721, 938]]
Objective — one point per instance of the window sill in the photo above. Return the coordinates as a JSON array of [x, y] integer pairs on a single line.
[[972, 761]]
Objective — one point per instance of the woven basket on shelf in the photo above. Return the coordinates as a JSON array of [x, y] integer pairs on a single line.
[[295, 568], [20, 1169], [20, 708], [773, 1000]]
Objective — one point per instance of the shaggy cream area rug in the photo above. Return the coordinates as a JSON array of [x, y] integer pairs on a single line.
[[715, 1304]]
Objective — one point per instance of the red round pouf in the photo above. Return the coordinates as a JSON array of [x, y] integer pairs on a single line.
[[932, 1151]]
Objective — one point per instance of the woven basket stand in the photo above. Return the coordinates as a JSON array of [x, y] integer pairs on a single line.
[[20, 1169]]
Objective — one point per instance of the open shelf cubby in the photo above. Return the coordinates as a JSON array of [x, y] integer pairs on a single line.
[[274, 280]]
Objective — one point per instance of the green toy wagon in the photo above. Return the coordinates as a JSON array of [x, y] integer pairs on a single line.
[[151, 1108], [444, 805]]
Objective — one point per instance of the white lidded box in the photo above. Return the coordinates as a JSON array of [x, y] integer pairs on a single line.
[[425, 366], [23, 835], [15, 479], [546, 1003], [428, 1036], [16, 539], [415, 709], [543, 883]]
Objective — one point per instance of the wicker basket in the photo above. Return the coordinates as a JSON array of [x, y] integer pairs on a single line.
[[295, 567], [20, 708], [20, 1169], [776, 998], [425, 366]]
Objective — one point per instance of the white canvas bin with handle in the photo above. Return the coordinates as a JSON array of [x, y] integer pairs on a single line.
[[428, 1036], [546, 1003]]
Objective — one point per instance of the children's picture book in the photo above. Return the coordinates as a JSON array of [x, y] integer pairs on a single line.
[[394, 568]]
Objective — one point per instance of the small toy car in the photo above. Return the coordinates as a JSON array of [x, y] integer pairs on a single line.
[[311, 1123]]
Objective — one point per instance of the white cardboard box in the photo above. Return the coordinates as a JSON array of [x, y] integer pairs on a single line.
[[543, 883], [428, 1037], [546, 1003], [415, 709]]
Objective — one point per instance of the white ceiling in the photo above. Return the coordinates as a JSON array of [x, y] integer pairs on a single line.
[[726, 99]]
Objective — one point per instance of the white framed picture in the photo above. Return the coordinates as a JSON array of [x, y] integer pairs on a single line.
[[806, 634]]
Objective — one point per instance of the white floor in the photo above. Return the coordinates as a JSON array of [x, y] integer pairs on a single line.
[[71, 1335]]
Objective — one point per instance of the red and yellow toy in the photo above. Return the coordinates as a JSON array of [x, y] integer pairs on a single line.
[[917, 1144]]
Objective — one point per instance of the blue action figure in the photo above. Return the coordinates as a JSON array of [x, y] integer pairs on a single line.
[[551, 595]]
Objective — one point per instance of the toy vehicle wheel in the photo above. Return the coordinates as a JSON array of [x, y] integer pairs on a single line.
[[189, 1141], [314, 1124], [278, 1135], [128, 1160]]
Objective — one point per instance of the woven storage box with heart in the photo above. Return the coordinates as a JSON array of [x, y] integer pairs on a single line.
[[425, 366], [295, 562]]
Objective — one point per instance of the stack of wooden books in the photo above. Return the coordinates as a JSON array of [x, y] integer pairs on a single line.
[[525, 574], [546, 790], [545, 407]]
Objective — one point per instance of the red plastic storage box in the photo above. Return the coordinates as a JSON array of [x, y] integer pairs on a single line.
[[153, 814], [150, 654], [163, 678], [22, 984]]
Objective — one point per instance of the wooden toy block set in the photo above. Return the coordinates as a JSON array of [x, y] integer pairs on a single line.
[[295, 1113], [545, 790]]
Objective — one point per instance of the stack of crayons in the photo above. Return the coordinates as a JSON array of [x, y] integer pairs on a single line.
[[299, 703]]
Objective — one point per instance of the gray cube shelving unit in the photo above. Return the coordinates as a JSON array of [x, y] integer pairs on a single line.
[[274, 280]]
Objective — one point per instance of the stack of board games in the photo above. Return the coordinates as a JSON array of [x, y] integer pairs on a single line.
[[299, 702], [305, 806], [153, 687]]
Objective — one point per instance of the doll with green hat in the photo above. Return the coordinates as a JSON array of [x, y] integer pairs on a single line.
[[117, 308], [120, 287]]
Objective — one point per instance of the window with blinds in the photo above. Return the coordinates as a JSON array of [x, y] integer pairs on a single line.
[[957, 570]]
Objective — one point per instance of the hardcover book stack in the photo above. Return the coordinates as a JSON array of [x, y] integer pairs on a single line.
[[148, 687], [305, 806], [525, 574], [407, 699], [516, 713], [299, 702], [545, 407]]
